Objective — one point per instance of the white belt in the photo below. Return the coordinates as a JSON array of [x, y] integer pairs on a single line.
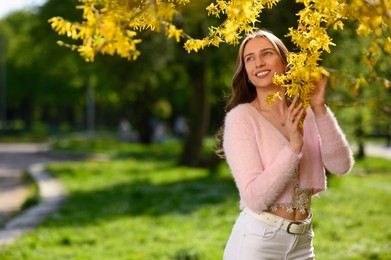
[[292, 227]]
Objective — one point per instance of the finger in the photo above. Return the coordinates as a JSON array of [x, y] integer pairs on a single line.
[[293, 104], [299, 116], [301, 113], [296, 117], [292, 114], [323, 82], [296, 109]]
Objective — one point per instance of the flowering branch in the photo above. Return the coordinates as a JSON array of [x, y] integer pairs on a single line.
[[110, 27]]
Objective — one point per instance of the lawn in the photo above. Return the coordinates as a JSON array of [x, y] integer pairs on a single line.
[[137, 204]]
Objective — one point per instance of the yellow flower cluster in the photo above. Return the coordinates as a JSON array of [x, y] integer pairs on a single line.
[[241, 18], [110, 26], [374, 19], [312, 39]]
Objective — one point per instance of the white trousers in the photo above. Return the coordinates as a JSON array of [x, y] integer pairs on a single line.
[[251, 239]]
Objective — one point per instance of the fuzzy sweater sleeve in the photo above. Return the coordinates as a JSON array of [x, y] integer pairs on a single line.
[[259, 185], [335, 150]]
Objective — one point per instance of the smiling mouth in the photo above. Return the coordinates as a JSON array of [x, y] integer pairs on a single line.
[[263, 73]]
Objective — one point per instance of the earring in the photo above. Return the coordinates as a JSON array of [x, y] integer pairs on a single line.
[[249, 81]]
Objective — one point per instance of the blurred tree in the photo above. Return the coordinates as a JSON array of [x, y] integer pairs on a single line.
[[32, 84], [111, 27], [197, 67], [362, 94], [166, 82], [47, 83], [140, 91]]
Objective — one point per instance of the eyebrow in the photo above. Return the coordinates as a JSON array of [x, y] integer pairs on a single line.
[[263, 50]]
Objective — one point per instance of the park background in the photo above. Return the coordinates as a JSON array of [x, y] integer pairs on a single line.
[[150, 186]]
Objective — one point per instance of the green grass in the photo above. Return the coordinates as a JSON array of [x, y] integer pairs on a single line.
[[373, 164], [352, 219], [140, 205]]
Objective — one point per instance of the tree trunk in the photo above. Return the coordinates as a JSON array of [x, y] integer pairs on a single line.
[[360, 138], [142, 118], [199, 117]]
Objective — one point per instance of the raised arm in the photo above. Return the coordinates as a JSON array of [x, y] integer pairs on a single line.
[[335, 150]]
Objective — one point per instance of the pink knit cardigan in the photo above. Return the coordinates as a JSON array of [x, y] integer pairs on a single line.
[[262, 162]]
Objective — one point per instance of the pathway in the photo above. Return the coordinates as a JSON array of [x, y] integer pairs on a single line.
[[15, 161]]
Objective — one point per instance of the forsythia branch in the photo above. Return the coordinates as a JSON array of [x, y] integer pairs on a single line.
[[111, 26]]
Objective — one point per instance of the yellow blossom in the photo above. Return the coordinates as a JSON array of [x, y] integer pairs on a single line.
[[110, 26]]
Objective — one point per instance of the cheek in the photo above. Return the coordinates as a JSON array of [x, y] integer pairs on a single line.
[[247, 68], [280, 68]]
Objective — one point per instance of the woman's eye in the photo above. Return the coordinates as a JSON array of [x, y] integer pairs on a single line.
[[249, 59]]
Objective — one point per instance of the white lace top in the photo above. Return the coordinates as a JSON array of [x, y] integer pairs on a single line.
[[301, 198]]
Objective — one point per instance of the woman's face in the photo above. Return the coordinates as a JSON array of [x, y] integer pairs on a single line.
[[262, 62]]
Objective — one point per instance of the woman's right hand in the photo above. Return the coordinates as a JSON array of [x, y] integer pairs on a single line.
[[295, 133]]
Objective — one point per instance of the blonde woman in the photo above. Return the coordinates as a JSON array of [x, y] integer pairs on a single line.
[[276, 165]]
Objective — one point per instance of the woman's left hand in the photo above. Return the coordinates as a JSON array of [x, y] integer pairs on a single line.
[[318, 97]]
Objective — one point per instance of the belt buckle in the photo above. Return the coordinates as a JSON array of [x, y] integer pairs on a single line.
[[294, 223]]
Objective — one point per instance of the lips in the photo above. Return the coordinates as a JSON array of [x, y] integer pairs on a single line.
[[262, 73]]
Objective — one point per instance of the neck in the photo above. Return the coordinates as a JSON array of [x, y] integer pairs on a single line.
[[277, 107]]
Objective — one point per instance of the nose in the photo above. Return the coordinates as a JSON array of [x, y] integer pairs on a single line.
[[260, 61]]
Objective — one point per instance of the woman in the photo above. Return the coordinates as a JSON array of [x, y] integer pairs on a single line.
[[277, 166]]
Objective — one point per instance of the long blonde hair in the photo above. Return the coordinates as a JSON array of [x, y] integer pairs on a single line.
[[242, 91]]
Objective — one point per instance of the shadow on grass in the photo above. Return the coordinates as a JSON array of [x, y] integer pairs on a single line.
[[140, 187], [142, 198], [154, 153], [117, 150]]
